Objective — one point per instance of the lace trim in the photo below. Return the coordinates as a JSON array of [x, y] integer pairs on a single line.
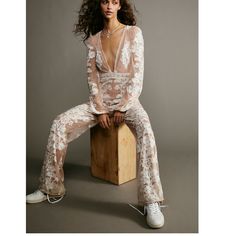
[[116, 75]]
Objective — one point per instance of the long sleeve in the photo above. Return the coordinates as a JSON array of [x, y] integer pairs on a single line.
[[135, 83], [95, 97]]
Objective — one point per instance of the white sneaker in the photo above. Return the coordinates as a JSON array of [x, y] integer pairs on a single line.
[[36, 197], [39, 196], [155, 218]]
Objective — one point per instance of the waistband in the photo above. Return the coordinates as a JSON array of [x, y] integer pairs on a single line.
[[115, 75]]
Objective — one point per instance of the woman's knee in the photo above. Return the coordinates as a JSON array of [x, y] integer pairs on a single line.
[[142, 121], [57, 122]]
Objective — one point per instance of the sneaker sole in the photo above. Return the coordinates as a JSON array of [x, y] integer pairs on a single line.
[[155, 226], [36, 201]]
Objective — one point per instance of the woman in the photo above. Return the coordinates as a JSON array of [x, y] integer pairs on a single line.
[[115, 67]]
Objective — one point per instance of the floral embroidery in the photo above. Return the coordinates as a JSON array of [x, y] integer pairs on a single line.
[[134, 85], [108, 91], [91, 54], [99, 59], [72, 123], [94, 60], [93, 88], [125, 54]]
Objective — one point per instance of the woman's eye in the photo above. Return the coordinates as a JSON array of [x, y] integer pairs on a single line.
[[113, 2]]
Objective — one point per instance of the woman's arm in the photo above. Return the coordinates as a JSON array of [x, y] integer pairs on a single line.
[[135, 83], [95, 97]]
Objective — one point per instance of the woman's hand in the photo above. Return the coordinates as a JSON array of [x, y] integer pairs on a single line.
[[118, 117], [104, 120]]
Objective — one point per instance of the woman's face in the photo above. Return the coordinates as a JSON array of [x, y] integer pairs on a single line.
[[109, 8]]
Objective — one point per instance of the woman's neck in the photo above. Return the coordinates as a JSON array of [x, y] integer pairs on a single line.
[[111, 24]]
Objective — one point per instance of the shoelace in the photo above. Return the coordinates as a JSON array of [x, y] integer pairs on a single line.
[[151, 205], [55, 200]]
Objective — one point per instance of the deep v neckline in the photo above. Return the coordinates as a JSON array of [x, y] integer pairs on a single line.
[[117, 51]]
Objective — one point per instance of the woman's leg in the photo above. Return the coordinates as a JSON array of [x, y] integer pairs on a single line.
[[149, 183], [66, 127]]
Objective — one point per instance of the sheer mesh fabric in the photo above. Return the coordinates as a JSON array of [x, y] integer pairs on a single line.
[[110, 88]]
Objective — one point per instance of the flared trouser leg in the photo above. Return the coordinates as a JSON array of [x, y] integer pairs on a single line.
[[149, 184], [66, 127], [70, 124]]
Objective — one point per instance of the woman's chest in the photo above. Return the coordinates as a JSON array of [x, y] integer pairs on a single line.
[[114, 55]]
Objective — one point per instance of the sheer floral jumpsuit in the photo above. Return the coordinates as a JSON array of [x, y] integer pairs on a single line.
[[108, 91]]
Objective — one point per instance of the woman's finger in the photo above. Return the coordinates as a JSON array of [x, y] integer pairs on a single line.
[[120, 119], [115, 120], [103, 124], [106, 123], [109, 121]]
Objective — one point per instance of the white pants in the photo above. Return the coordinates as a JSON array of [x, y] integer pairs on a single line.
[[70, 124]]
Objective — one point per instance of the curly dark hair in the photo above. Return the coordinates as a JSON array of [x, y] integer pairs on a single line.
[[90, 18]]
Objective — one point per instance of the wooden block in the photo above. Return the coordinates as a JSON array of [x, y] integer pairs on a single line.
[[113, 153]]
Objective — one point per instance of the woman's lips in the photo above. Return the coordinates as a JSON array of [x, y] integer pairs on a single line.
[[108, 12]]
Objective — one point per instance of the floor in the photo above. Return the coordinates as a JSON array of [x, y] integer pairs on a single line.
[[92, 205]]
